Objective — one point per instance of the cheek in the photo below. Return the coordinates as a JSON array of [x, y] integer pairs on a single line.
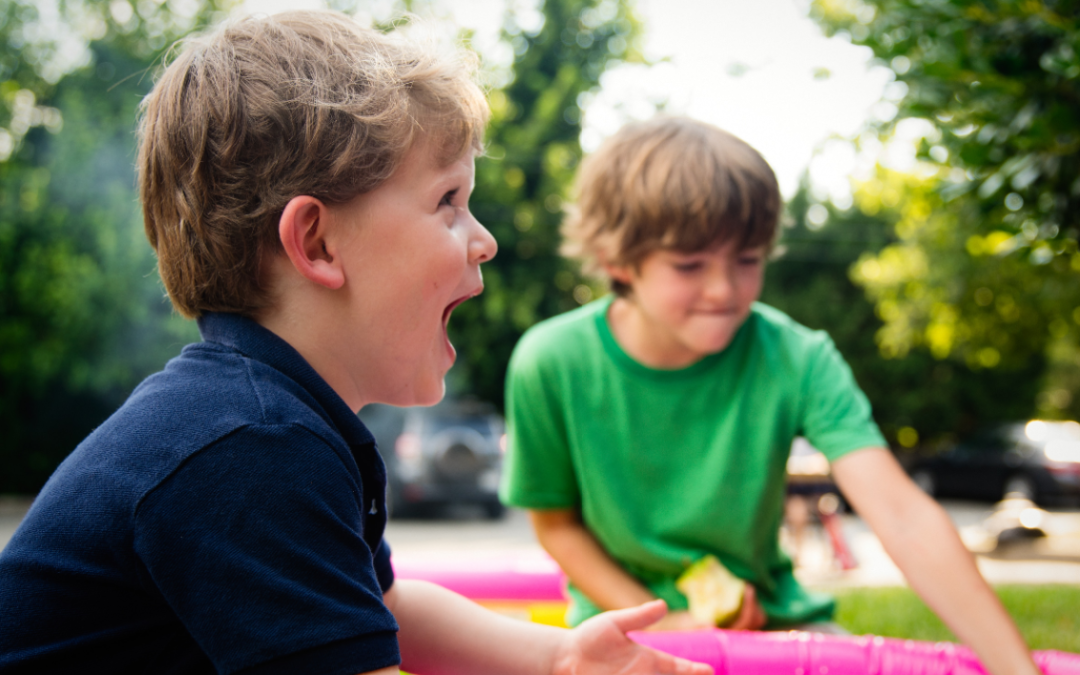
[[751, 285], [683, 292], [668, 299]]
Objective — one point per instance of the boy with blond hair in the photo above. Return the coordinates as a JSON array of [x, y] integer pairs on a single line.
[[651, 428], [305, 184]]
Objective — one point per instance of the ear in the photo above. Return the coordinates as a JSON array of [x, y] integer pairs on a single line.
[[624, 274], [303, 229]]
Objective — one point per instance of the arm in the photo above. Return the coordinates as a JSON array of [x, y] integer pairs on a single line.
[[441, 631], [566, 539], [584, 560], [918, 535]]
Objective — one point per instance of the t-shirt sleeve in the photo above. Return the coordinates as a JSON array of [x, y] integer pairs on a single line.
[[836, 415], [256, 543], [538, 472]]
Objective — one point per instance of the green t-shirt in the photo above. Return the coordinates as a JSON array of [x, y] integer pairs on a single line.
[[669, 465]]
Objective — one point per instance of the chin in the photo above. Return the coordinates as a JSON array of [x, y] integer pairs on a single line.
[[430, 395], [419, 394], [715, 346]]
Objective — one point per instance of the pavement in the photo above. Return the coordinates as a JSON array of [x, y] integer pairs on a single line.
[[463, 535], [1052, 559], [12, 510]]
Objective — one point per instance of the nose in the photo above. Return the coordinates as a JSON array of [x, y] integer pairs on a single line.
[[482, 245], [721, 284]]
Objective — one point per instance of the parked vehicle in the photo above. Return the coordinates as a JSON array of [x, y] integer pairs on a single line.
[[450, 453], [811, 493], [808, 470], [1036, 460]]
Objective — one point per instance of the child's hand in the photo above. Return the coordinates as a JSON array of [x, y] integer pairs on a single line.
[[680, 620], [751, 615], [599, 646]]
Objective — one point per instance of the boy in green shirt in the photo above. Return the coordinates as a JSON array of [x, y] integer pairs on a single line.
[[651, 428]]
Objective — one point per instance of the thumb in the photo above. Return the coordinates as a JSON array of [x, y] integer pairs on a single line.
[[637, 618], [749, 614]]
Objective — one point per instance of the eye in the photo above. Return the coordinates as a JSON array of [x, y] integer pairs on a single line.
[[687, 267], [751, 259], [448, 198]]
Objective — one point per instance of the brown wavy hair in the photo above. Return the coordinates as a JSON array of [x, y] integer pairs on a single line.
[[265, 109], [669, 183]]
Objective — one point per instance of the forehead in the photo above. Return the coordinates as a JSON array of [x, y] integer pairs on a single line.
[[425, 161], [724, 247]]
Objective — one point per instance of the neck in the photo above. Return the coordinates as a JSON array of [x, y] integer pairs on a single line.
[[644, 341], [302, 322]]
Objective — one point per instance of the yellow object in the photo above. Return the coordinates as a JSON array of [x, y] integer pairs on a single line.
[[551, 613], [548, 613], [715, 594]]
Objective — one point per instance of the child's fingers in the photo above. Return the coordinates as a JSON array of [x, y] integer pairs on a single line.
[[666, 664], [638, 618], [751, 615]]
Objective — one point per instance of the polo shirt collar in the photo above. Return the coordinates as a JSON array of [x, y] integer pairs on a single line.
[[247, 337]]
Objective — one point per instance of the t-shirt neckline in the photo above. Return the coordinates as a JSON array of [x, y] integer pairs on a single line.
[[631, 365]]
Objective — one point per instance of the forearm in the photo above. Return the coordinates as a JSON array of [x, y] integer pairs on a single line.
[[443, 632], [928, 550], [922, 541], [585, 561]]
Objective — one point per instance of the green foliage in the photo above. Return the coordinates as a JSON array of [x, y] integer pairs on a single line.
[[1048, 616], [532, 155], [889, 612], [934, 400], [83, 317], [984, 266]]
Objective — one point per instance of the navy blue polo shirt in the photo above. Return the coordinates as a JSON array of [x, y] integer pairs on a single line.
[[227, 518]]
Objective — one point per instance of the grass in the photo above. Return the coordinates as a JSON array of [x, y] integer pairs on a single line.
[[1048, 615]]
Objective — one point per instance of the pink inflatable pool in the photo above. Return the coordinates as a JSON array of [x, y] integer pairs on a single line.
[[538, 579], [508, 578], [798, 653]]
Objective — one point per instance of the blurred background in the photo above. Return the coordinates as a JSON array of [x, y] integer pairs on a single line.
[[927, 150]]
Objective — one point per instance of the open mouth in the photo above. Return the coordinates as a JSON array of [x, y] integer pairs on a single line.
[[453, 305]]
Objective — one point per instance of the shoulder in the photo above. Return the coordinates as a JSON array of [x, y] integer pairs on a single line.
[[562, 337], [206, 394], [780, 343], [774, 329], [577, 323]]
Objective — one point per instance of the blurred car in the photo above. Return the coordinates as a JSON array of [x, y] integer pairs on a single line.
[[1036, 460], [447, 454], [812, 494], [810, 475], [808, 470]]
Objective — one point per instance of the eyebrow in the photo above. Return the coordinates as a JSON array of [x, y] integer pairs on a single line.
[[456, 177]]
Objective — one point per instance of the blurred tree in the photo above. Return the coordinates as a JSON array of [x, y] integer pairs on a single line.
[[521, 185], [917, 400], [82, 315], [984, 267]]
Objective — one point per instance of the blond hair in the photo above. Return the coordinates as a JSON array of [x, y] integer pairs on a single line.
[[269, 108], [669, 183]]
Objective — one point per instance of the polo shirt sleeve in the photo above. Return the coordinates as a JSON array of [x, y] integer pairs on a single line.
[[538, 472], [256, 543], [836, 413], [384, 571]]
